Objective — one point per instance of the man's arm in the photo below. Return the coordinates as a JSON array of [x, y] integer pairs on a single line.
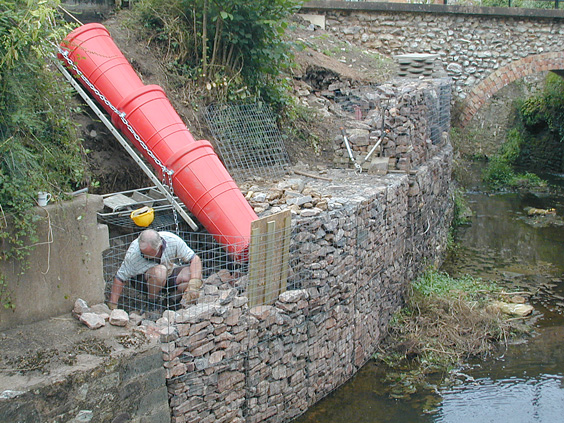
[[117, 288], [196, 267]]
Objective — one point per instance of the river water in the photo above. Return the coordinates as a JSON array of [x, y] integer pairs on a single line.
[[525, 382]]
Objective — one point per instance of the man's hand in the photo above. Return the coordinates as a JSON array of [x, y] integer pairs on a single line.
[[194, 284], [192, 292]]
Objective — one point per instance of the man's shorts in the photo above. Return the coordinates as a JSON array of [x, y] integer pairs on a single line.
[[139, 282]]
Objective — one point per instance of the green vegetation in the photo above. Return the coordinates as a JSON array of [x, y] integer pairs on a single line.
[[39, 147], [547, 108], [445, 321], [500, 172], [229, 50], [539, 114]]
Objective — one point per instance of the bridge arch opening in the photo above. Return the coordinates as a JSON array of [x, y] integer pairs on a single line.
[[505, 75]]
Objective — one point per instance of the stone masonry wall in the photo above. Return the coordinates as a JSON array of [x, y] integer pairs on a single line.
[[351, 265], [469, 46]]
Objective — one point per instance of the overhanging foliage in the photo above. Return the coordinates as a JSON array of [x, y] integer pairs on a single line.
[[39, 147]]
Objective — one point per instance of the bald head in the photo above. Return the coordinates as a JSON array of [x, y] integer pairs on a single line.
[[150, 238]]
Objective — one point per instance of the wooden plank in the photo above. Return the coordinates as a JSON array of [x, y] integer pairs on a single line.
[[284, 264], [254, 267], [268, 258], [272, 275]]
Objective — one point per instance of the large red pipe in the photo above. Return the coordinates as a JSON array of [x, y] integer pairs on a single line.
[[200, 180]]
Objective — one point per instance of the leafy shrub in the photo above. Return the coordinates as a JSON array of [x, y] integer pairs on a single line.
[[39, 147], [546, 108], [233, 44]]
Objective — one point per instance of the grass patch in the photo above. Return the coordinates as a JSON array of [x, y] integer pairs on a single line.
[[445, 322]]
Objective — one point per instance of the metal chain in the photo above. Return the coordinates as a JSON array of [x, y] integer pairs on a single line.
[[166, 173], [164, 169], [169, 177]]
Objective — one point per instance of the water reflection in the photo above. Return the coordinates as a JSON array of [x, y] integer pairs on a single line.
[[515, 400], [524, 384]]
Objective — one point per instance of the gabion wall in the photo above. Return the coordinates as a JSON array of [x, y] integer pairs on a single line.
[[357, 241], [408, 118], [351, 265]]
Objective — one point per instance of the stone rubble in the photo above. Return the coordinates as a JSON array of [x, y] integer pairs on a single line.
[[119, 317], [92, 320]]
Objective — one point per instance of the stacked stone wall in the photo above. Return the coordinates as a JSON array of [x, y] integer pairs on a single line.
[[408, 119], [351, 265], [469, 47]]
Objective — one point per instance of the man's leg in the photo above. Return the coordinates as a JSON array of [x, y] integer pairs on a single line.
[[156, 279]]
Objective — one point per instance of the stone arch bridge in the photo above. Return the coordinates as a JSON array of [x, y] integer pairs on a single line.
[[482, 49]]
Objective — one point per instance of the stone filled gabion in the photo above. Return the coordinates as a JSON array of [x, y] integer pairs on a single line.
[[351, 263], [408, 120]]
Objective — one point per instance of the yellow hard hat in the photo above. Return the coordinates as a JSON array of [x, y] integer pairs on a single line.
[[143, 216]]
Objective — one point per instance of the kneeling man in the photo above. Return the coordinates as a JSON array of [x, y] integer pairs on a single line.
[[159, 260]]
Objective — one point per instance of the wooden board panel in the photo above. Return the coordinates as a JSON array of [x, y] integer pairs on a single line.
[[268, 257]]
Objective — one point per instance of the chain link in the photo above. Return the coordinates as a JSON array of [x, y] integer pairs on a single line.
[[169, 177]]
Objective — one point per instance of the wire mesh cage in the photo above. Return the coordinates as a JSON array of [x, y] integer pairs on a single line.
[[273, 273], [248, 140], [135, 298], [438, 101]]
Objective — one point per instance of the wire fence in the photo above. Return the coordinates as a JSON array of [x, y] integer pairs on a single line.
[[221, 271], [248, 140]]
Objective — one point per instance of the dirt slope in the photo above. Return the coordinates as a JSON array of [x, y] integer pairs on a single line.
[[320, 59]]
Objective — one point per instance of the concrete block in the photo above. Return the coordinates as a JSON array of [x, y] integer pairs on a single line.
[[61, 271]]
